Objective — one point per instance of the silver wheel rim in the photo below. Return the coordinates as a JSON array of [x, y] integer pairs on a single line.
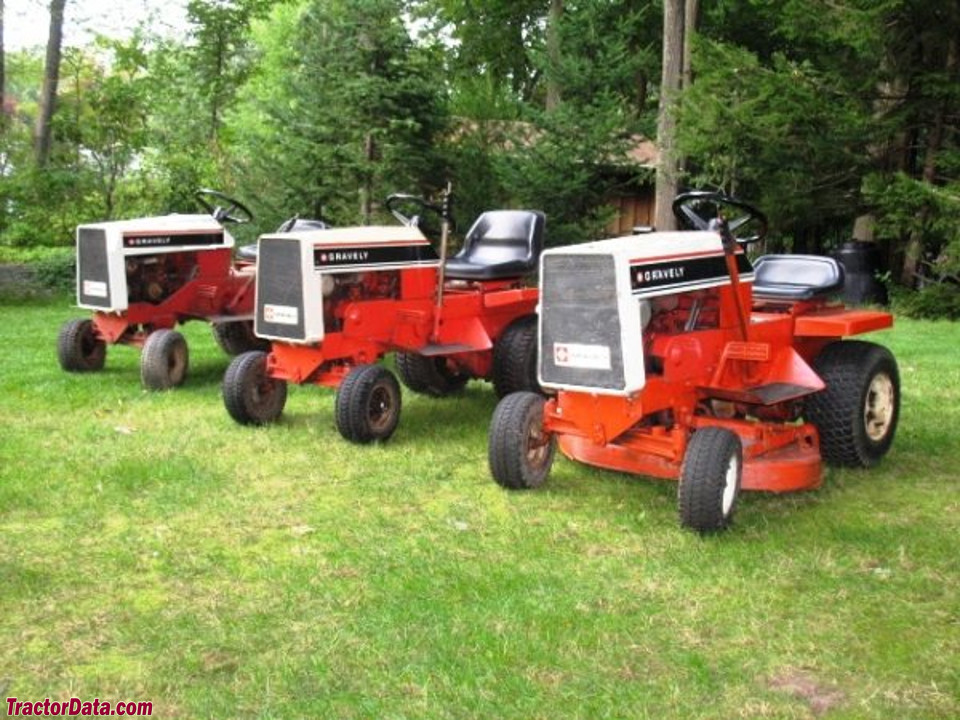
[[730, 485], [878, 407]]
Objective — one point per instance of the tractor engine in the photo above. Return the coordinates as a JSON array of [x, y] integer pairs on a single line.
[[341, 289], [683, 312], [154, 278]]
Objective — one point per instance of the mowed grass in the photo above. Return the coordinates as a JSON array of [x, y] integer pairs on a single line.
[[151, 549]]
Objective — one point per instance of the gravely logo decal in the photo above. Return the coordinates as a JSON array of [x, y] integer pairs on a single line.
[[344, 256], [138, 241], [645, 276], [681, 273], [392, 255]]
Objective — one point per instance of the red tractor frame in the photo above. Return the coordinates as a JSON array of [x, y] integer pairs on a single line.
[[671, 355], [143, 277], [334, 303]]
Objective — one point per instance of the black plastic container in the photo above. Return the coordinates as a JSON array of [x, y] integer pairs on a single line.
[[861, 263]]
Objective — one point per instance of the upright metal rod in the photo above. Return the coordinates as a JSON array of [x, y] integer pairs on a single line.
[[444, 238], [730, 250]]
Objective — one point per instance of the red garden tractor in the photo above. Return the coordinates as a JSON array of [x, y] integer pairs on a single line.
[[334, 303], [672, 355], [142, 277]]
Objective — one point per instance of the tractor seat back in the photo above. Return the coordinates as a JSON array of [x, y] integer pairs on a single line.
[[796, 277], [501, 244]]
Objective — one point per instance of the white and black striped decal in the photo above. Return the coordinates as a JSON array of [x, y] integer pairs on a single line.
[[682, 272], [341, 257], [142, 240]]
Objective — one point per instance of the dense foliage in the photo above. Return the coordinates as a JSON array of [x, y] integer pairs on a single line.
[[838, 118]]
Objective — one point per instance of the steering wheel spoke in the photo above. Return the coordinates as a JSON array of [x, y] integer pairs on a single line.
[[686, 204], [224, 208]]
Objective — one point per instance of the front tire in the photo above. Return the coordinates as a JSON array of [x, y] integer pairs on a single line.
[[857, 413], [237, 337], [78, 347], [429, 375], [368, 404], [515, 358], [520, 453], [164, 360], [250, 395], [710, 480]]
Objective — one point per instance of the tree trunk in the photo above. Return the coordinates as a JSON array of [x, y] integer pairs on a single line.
[[667, 166], [914, 251], [641, 84], [51, 76], [217, 91], [691, 19], [554, 54], [366, 191], [3, 67]]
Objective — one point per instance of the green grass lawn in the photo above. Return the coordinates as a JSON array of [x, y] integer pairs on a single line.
[[151, 549]]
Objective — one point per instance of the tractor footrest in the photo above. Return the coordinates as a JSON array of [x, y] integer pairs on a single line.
[[452, 349], [228, 318], [769, 394]]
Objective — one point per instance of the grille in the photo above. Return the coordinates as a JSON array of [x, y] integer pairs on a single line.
[[279, 289], [93, 274], [581, 339]]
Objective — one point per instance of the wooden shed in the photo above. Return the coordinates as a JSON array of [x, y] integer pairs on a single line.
[[634, 201]]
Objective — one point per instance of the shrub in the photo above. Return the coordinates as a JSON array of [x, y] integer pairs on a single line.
[[57, 272], [939, 300]]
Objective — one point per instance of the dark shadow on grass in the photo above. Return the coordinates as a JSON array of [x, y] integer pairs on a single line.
[[757, 512], [205, 373], [447, 419]]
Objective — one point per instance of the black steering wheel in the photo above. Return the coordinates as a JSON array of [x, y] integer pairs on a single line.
[[225, 209], [398, 199], [700, 210]]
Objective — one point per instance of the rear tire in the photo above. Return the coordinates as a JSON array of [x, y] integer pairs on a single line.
[[250, 395], [520, 453], [857, 413], [237, 337], [515, 358], [164, 360], [78, 347], [710, 480], [368, 404], [429, 375]]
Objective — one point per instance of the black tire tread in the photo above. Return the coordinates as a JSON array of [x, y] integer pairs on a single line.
[[351, 403], [427, 375], [246, 368], [702, 479], [515, 358], [237, 337], [506, 451], [70, 347], [846, 368], [154, 369]]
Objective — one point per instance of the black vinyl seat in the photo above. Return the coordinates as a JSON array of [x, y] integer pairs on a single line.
[[501, 244], [295, 224], [247, 252], [796, 277]]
